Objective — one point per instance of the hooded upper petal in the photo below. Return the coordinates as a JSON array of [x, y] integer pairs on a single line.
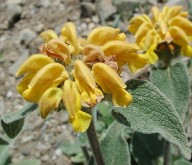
[[102, 35], [110, 82], [69, 33], [34, 63]]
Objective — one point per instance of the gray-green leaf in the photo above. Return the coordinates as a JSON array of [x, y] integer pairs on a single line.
[[12, 123], [174, 83], [4, 154], [146, 149], [3, 141], [114, 146], [182, 162], [151, 112]]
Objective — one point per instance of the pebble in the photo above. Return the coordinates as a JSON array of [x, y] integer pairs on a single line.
[[58, 152], [13, 11], [105, 9], [87, 9], [45, 158], [26, 36], [9, 94], [2, 105], [91, 26], [14, 67]]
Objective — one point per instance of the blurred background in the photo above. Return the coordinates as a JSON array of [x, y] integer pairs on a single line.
[[50, 141]]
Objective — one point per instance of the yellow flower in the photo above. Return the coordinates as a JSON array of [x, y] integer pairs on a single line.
[[110, 82], [72, 101], [169, 25], [38, 69], [72, 72]]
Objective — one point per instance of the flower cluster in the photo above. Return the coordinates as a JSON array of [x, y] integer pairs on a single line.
[[167, 28], [77, 72]]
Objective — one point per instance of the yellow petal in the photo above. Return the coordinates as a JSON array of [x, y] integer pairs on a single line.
[[121, 49], [179, 36], [48, 35], [34, 63], [69, 32], [173, 12], [182, 23], [50, 101], [121, 98], [137, 62], [81, 121], [71, 97], [23, 84], [184, 14], [152, 56], [107, 78], [86, 101], [59, 49], [102, 35], [156, 13], [110, 82], [151, 38], [136, 22], [48, 74], [187, 50], [125, 53], [83, 74], [142, 31]]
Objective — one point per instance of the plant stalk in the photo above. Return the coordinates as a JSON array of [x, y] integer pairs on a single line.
[[94, 143], [166, 153]]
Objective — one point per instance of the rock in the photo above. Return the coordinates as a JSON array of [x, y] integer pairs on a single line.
[[38, 28], [2, 105], [105, 9], [45, 158], [26, 36], [4, 25], [26, 139], [13, 10], [126, 7], [9, 94], [15, 66], [58, 152], [87, 9], [45, 3], [17, 2], [177, 2], [95, 19], [91, 26]]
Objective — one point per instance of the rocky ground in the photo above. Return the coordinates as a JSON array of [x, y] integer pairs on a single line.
[[21, 23]]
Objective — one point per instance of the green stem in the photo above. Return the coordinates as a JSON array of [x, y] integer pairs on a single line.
[[166, 153], [94, 143]]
